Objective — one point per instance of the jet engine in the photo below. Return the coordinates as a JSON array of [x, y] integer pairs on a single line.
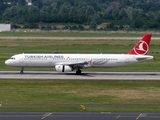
[[63, 68]]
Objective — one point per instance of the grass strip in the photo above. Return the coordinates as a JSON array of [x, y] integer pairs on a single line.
[[61, 92], [68, 92], [88, 109], [72, 34]]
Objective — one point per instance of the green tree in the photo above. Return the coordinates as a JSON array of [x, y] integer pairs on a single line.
[[53, 8], [111, 26], [137, 23], [158, 17], [90, 11], [82, 8], [115, 14], [31, 26], [150, 15], [14, 12], [65, 8], [121, 27], [80, 27], [80, 18], [74, 27], [134, 13], [93, 25], [21, 2], [2, 7], [125, 2], [72, 10], [32, 9], [122, 14], [153, 25], [45, 10]]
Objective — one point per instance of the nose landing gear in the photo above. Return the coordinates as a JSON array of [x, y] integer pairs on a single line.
[[22, 71]]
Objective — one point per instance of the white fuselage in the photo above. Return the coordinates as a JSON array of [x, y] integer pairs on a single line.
[[70, 62], [92, 60]]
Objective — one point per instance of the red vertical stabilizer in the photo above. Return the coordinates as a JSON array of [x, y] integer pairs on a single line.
[[142, 46]]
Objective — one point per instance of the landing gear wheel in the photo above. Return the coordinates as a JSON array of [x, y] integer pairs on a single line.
[[78, 72], [22, 71]]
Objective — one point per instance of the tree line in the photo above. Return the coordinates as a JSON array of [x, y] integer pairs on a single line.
[[134, 15]]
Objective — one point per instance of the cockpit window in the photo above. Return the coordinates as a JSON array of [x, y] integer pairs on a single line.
[[13, 58]]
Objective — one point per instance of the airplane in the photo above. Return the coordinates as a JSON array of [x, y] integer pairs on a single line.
[[70, 62]]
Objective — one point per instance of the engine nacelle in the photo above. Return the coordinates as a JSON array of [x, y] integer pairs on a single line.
[[63, 68]]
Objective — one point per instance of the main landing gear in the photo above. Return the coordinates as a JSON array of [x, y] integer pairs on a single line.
[[78, 72], [22, 71]]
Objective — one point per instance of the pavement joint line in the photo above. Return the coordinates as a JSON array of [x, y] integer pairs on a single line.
[[144, 115]]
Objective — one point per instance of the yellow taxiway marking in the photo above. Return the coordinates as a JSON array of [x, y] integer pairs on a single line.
[[139, 116], [118, 116], [46, 115]]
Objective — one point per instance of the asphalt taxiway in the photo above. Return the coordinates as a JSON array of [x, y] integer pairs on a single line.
[[83, 76], [78, 116]]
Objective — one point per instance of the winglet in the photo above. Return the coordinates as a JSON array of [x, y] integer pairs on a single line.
[[142, 46]]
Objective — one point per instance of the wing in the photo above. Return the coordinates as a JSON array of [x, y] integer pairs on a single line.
[[76, 65]]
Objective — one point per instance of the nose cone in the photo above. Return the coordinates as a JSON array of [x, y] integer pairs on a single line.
[[7, 62]]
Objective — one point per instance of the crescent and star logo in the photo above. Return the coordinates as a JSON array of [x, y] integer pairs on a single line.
[[141, 48]]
